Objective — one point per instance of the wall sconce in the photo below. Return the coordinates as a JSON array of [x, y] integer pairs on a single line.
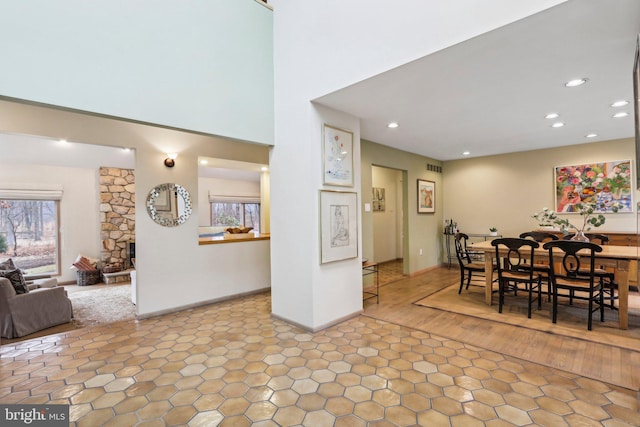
[[170, 161]]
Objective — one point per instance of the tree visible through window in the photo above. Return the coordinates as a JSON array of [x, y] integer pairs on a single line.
[[29, 234], [235, 215]]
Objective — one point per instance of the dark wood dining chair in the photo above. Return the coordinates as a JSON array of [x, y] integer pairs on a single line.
[[571, 275], [541, 267], [515, 269], [469, 265], [608, 277]]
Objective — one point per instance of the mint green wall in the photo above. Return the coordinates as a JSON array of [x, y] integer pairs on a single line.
[[205, 66], [421, 231]]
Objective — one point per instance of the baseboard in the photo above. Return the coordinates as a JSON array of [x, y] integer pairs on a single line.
[[321, 327], [201, 303], [426, 270]]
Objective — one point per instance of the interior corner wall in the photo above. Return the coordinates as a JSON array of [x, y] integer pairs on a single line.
[[423, 231], [505, 190], [205, 66]]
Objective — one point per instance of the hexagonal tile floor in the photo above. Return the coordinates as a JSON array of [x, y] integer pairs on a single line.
[[231, 364]]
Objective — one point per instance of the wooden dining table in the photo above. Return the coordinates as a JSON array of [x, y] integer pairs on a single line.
[[618, 257]]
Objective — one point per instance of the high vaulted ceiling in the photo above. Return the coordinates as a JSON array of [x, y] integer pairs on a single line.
[[489, 95]]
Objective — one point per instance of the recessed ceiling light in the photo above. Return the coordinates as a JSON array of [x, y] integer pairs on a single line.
[[620, 103], [204, 162], [466, 153], [557, 125], [591, 135], [264, 168], [552, 116], [393, 125], [576, 82], [620, 114]]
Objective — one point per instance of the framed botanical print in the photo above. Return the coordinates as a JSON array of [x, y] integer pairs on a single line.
[[426, 196], [337, 156]]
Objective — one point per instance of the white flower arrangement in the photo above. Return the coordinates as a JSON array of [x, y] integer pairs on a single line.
[[548, 217]]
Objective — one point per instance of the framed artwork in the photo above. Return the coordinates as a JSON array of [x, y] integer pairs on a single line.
[[378, 199], [338, 226], [636, 107], [426, 196], [337, 156], [607, 186]]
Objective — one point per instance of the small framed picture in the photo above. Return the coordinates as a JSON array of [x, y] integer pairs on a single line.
[[378, 199], [338, 226], [426, 196], [337, 156]]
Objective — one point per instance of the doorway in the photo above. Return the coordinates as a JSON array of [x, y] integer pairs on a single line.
[[388, 196]]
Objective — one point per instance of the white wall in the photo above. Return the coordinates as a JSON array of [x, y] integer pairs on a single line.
[[506, 190], [204, 65], [334, 43]]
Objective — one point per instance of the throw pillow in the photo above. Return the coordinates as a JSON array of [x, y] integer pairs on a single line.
[[7, 265], [16, 279], [83, 264]]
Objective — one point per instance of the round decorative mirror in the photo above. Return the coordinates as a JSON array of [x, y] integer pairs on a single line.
[[169, 204]]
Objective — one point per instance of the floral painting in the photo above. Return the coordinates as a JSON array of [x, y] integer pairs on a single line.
[[606, 186]]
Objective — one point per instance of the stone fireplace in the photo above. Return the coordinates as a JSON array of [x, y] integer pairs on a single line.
[[117, 214]]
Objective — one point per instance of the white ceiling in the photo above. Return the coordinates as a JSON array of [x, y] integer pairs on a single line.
[[489, 95]]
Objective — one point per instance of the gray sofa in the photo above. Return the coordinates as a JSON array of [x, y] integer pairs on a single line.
[[24, 314]]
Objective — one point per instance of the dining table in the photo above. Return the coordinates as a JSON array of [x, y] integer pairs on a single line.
[[617, 257]]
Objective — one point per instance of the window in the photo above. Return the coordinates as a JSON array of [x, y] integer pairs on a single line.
[[29, 234], [229, 214]]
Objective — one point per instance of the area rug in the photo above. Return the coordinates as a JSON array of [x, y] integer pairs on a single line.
[[100, 305], [572, 320], [92, 305]]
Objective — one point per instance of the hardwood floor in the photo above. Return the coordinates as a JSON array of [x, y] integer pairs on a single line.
[[603, 362]]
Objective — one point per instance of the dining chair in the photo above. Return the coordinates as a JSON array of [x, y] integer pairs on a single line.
[[541, 267], [570, 274], [469, 265], [515, 268], [608, 277]]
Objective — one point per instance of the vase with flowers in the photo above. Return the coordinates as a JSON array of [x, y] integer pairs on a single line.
[[547, 217]]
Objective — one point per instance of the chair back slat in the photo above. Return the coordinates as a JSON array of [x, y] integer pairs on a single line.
[[576, 255], [539, 236], [460, 241], [574, 279], [517, 258]]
